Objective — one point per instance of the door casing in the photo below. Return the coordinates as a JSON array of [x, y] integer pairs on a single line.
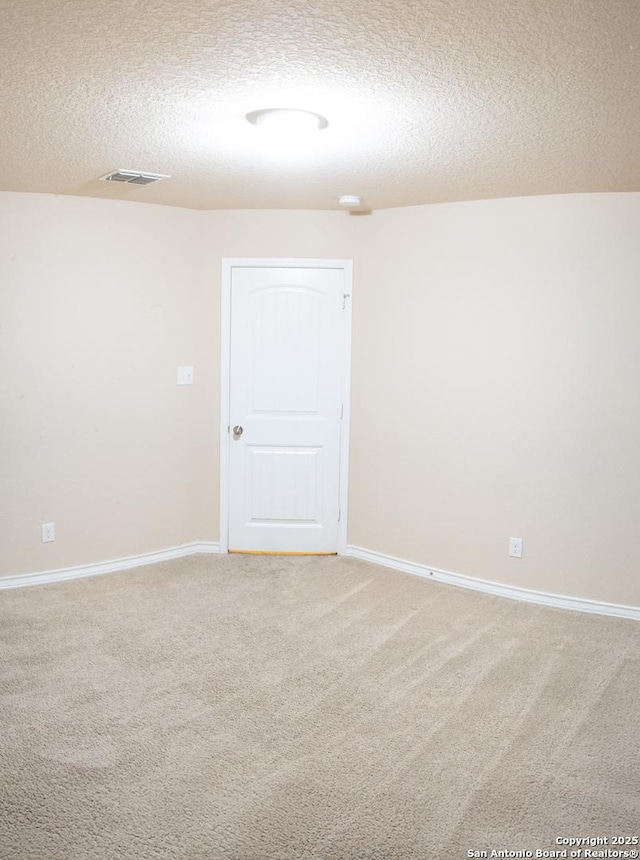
[[228, 264]]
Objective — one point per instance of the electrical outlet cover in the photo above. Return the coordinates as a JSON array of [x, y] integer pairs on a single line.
[[515, 547]]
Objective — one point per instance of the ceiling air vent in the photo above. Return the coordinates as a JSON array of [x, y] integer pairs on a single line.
[[134, 177]]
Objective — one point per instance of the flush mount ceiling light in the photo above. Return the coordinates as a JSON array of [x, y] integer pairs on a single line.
[[287, 120], [349, 200]]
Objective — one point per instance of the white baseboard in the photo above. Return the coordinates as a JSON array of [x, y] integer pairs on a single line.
[[558, 601], [107, 566]]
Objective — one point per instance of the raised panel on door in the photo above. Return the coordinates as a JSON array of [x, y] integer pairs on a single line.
[[285, 344], [287, 364]]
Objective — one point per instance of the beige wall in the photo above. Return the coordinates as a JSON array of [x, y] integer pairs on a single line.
[[100, 302], [495, 387], [497, 391]]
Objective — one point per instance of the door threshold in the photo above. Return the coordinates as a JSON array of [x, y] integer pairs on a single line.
[[274, 552]]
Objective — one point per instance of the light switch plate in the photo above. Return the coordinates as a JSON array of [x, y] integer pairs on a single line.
[[185, 376]]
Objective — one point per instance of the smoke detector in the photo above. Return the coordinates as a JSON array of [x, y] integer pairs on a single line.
[[349, 200], [134, 177]]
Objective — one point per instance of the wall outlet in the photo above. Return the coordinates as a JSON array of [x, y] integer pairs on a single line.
[[185, 376], [515, 547], [48, 532]]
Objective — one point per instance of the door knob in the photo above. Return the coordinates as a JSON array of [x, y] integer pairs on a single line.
[[237, 431]]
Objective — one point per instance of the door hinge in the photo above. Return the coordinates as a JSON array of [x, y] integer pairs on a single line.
[[228, 428], [341, 411], [339, 514]]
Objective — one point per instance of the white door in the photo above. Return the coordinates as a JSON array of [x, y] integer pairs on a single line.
[[286, 394]]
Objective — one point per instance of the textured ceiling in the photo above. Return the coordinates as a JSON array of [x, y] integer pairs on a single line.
[[427, 100]]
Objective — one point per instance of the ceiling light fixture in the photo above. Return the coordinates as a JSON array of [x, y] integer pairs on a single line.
[[349, 200], [287, 120]]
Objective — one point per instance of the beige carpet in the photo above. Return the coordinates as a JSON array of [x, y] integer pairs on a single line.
[[294, 708]]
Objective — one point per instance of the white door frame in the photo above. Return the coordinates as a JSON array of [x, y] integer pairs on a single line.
[[229, 263]]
